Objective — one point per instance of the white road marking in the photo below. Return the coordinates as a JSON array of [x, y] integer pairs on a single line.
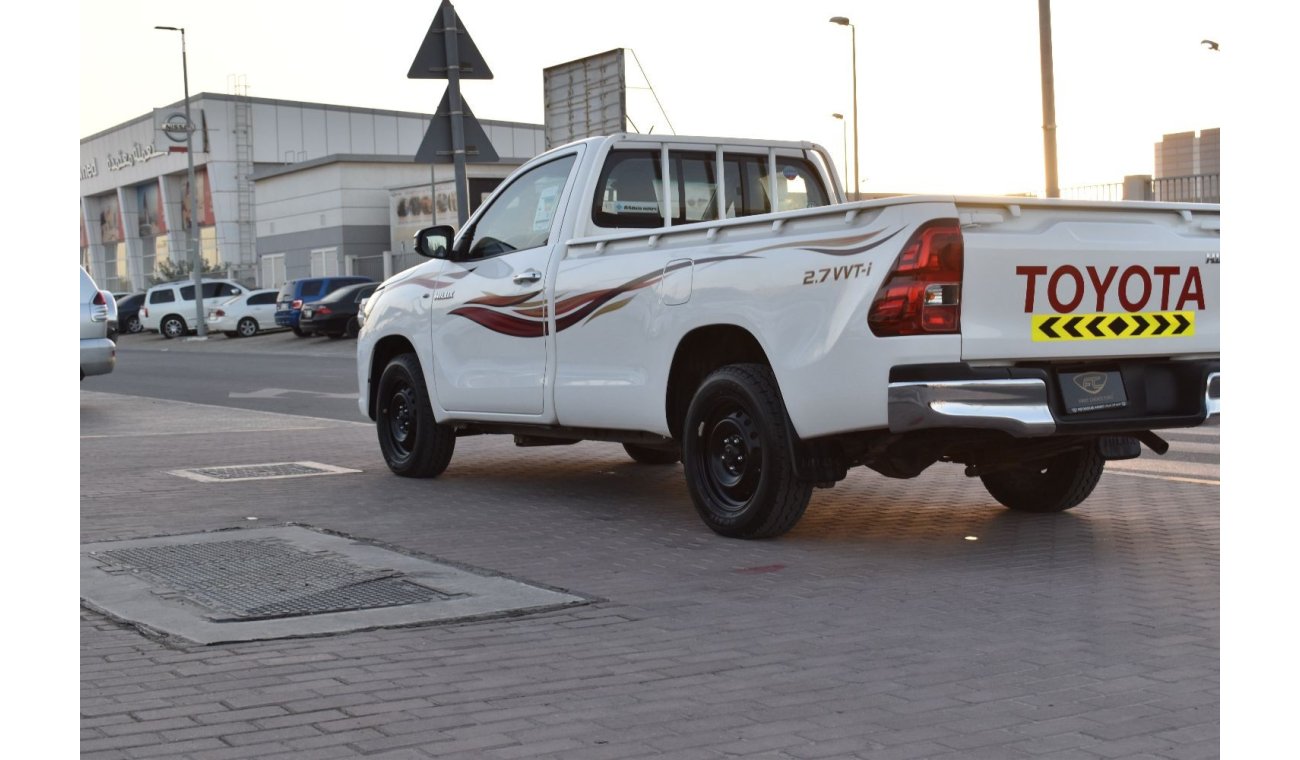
[[280, 393], [1198, 481]]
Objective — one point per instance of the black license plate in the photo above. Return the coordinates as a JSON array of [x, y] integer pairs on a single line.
[[1092, 391]]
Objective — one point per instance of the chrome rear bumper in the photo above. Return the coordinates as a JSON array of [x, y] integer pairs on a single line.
[[1017, 406]]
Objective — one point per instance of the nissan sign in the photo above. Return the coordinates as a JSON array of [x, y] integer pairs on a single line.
[[176, 127]]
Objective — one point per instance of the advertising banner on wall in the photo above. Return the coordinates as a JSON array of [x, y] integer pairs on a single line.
[[110, 220], [206, 217], [411, 209], [149, 206]]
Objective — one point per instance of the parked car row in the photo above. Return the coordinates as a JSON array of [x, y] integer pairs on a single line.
[[307, 306]]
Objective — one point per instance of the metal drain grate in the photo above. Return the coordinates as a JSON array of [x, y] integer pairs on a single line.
[[260, 471], [266, 578]]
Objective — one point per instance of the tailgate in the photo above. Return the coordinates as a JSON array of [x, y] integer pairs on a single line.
[[1066, 280]]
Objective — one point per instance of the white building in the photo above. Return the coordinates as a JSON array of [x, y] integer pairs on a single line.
[[285, 188]]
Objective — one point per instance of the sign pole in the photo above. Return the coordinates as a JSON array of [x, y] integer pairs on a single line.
[[450, 32]]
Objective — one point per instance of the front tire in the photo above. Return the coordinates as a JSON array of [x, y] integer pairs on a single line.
[[172, 326], [413, 444], [651, 455], [247, 327], [737, 455], [1049, 485]]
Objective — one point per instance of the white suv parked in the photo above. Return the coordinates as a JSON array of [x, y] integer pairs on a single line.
[[169, 308]]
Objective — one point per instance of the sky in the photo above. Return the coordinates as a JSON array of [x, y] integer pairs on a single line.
[[949, 91]]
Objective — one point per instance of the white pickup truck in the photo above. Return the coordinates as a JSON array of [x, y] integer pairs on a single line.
[[770, 335]]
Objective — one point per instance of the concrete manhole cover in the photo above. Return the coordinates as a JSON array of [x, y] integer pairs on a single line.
[[268, 583], [269, 471]]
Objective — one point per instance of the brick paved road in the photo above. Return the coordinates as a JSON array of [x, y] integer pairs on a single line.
[[875, 629]]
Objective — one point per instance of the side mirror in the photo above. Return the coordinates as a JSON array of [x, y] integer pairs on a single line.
[[434, 242]]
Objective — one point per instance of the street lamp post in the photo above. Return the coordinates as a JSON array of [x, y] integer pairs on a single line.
[[853, 31], [191, 234], [844, 135]]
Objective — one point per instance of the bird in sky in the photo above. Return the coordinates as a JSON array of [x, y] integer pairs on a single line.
[[1211, 44]]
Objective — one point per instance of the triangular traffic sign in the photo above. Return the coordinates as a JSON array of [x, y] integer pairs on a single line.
[[436, 146], [431, 61]]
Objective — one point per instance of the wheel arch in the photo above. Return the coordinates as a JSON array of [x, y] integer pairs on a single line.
[[700, 352], [384, 351]]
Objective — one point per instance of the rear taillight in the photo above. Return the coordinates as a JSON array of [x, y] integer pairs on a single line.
[[922, 292], [144, 311], [99, 310], [297, 304], [323, 311], [219, 313]]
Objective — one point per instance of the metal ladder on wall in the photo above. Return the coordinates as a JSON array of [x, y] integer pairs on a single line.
[[244, 179]]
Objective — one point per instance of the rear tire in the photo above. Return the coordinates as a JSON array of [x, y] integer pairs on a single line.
[[133, 325], [352, 329], [413, 444], [298, 331], [736, 449], [651, 455], [247, 327], [1049, 485], [172, 326]]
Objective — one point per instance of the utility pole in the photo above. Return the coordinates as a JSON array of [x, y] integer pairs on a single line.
[[1049, 97], [191, 234]]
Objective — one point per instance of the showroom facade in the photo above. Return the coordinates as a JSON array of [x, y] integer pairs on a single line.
[[285, 189]]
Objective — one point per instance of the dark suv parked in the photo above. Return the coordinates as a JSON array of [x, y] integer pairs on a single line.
[[288, 305]]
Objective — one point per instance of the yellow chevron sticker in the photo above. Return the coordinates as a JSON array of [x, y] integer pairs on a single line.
[[1124, 325]]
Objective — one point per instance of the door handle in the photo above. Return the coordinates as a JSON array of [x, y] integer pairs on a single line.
[[527, 276]]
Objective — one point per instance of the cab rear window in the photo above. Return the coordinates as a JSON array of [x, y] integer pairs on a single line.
[[630, 192]]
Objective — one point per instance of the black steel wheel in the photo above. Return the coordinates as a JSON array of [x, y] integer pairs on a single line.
[[1049, 485], [247, 327], [172, 326], [413, 443], [652, 455], [737, 455]]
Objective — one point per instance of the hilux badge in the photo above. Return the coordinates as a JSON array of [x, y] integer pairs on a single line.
[[1091, 382]]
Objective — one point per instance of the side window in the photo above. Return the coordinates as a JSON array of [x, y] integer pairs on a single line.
[[693, 187], [521, 216], [162, 296], [312, 289], [797, 185], [187, 293], [746, 184], [261, 299], [219, 290], [628, 193]]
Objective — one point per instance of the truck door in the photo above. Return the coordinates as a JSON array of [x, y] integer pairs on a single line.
[[490, 319]]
